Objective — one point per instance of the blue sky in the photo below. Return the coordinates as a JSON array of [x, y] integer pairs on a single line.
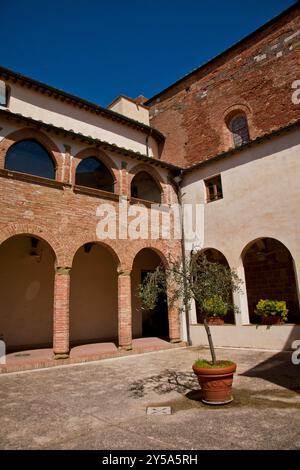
[[98, 49]]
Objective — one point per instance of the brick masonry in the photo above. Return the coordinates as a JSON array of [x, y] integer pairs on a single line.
[[65, 217], [255, 77]]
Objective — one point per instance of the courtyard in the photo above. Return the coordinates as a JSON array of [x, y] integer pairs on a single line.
[[102, 404]]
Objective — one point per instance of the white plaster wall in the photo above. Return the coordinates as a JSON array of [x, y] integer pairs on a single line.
[[261, 198], [130, 109], [33, 104], [277, 337]]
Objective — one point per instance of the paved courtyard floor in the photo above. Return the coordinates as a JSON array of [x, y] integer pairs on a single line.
[[102, 405]]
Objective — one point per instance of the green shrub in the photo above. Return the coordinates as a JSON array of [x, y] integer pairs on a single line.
[[215, 306], [267, 308]]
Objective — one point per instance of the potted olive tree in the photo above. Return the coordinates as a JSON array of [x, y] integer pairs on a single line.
[[211, 285]]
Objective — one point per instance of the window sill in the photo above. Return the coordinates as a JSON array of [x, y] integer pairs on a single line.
[[96, 193], [208, 201], [32, 179]]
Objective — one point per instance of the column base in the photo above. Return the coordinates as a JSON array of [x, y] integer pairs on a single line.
[[175, 340], [127, 347], [61, 355]]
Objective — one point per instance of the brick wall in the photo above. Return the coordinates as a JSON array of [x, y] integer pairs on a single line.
[[66, 218], [255, 77]]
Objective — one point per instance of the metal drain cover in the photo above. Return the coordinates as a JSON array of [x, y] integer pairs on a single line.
[[158, 410]]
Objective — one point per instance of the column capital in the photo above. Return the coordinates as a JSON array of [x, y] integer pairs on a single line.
[[62, 270], [124, 272]]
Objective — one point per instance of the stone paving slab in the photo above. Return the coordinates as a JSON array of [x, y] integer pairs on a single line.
[[102, 405]]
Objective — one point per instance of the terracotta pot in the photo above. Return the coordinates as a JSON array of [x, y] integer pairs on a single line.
[[215, 383], [272, 320], [215, 321]]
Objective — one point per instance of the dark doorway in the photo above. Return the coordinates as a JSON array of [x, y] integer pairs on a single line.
[[155, 322]]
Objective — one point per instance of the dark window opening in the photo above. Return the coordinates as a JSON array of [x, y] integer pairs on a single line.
[[143, 186], [213, 188], [92, 173], [4, 94], [28, 156], [239, 129]]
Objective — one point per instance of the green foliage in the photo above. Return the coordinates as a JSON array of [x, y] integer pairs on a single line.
[[153, 285], [268, 307], [210, 365], [210, 284], [215, 306]]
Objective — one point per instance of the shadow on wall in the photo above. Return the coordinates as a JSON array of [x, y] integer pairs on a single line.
[[279, 369]]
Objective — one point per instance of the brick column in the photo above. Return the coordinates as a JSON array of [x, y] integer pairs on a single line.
[[124, 311], [61, 312], [66, 166], [174, 320]]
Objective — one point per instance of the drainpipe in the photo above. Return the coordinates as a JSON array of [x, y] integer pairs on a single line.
[[177, 183]]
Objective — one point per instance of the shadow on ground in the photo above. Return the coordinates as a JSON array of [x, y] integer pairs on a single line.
[[279, 370], [166, 382], [186, 385]]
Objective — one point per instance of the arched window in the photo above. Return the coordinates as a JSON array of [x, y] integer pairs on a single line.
[[4, 94], [238, 126], [28, 156], [92, 173], [143, 186]]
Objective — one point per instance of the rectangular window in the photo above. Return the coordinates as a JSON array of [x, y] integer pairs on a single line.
[[213, 188]]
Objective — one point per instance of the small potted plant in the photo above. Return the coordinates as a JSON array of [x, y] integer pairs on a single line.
[[272, 312], [211, 285], [216, 309]]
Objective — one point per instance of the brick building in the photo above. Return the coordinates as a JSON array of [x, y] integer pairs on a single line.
[[229, 130]]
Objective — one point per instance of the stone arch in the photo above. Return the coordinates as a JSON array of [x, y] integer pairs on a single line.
[[105, 159], [270, 274], [41, 138]]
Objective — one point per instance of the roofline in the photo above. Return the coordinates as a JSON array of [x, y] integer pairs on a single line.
[[88, 139], [269, 23], [129, 99], [82, 103], [139, 156], [281, 130]]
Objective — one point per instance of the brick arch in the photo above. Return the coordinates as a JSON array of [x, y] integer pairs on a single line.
[[41, 138], [211, 248], [229, 114], [157, 248], [105, 159], [39, 232], [111, 245], [152, 172]]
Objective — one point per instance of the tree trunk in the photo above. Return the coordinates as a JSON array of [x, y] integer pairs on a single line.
[[210, 341]]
